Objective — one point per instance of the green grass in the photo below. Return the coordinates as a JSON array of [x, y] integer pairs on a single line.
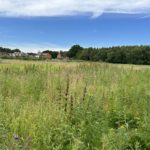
[[74, 106]]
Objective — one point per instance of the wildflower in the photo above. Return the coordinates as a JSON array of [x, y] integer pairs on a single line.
[[16, 137]]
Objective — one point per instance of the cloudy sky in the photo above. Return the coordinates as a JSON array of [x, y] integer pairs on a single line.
[[34, 25]]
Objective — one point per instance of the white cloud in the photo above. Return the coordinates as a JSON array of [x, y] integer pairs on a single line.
[[33, 47], [71, 7]]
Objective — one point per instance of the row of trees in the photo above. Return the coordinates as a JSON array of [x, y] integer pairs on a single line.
[[119, 54], [8, 50]]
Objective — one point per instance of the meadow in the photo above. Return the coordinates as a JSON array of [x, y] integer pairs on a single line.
[[74, 106]]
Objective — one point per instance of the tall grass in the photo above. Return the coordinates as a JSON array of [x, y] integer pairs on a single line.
[[62, 106]]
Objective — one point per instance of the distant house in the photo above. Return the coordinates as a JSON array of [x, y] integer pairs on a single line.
[[46, 55], [59, 56], [31, 55], [16, 54], [38, 55], [5, 54], [24, 54]]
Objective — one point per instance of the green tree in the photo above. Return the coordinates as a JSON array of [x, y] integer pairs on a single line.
[[74, 50]]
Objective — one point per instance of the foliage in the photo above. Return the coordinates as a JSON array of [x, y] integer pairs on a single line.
[[74, 50], [120, 54], [8, 50]]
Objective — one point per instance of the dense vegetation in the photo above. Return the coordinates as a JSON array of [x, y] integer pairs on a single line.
[[8, 50], [74, 106], [120, 54]]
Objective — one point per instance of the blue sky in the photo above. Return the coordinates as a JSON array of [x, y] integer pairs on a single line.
[[93, 26]]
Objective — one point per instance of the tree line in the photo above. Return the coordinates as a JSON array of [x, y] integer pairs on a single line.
[[118, 54], [8, 50]]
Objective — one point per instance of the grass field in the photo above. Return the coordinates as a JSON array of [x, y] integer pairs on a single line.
[[74, 106]]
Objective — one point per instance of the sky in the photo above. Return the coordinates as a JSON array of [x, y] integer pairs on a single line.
[[36, 25]]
